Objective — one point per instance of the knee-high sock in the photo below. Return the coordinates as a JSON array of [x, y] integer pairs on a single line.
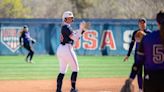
[[27, 56], [60, 81], [31, 55], [73, 79], [139, 76]]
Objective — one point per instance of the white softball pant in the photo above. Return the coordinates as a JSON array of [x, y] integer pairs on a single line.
[[67, 57]]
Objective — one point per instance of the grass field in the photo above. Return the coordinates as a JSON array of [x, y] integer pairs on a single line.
[[47, 67]]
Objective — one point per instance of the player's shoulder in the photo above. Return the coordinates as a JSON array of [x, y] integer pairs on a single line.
[[148, 31], [134, 32], [152, 35], [64, 26]]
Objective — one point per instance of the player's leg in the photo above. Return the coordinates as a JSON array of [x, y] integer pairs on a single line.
[[133, 72], [63, 67], [137, 71], [139, 76], [140, 79], [26, 46], [75, 68], [31, 52]]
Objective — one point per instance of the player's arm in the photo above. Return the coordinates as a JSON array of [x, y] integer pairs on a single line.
[[76, 36], [69, 32], [20, 38], [30, 38], [131, 45]]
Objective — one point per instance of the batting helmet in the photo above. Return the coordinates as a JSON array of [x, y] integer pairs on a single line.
[[67, 14]]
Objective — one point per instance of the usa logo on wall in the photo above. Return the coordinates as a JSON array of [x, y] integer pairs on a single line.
[[10, 37]]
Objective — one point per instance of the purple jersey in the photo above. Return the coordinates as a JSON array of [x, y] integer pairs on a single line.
[[26, 37], [151, 52]]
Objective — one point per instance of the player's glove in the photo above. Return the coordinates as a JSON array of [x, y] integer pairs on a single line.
[[84, 26], [33, 41], [128, 86], [139, 35]]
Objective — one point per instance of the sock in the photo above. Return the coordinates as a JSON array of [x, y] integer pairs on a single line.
[[139, 81], [59, 81], [73, 79], [27, 56], [31, 55], [139, 76]]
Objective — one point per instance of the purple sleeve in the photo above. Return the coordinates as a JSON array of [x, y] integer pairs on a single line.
[[28, 35]]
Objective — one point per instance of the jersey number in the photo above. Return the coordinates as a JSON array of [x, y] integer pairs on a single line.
[[158, 54]]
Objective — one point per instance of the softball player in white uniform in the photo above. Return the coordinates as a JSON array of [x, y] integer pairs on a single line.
[[65, 52]]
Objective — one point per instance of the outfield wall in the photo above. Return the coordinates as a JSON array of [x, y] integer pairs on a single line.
[[105, 36]]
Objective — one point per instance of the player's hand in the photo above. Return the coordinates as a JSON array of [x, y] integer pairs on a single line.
[[126, 58], [33, 41], [84, 25], [139, 35]]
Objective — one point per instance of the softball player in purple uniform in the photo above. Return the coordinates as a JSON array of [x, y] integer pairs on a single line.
[[65, 52], [26, 41], [151, 55], [142, 27]]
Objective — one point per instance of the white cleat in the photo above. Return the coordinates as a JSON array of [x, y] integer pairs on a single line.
[[32, 62]]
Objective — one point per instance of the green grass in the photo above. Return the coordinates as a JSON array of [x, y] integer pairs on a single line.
[[47, 67]]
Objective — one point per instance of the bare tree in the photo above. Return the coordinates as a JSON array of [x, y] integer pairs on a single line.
[[95, 8]]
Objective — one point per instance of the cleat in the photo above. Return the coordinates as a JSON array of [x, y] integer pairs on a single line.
[[73, 90], [140, 90], [31, 62], [58, 91], [26, 60]]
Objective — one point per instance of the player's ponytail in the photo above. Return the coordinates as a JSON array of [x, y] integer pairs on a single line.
[[23, 29], [160, 20], [21, 32]]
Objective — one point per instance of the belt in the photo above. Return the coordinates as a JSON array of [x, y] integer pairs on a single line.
[[65, 43]]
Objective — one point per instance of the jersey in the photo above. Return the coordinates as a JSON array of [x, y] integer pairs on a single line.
[[133, 41], [26, 37], [151, 52], [66, 31]]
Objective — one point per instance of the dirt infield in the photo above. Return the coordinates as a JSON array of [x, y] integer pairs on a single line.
[[84, 85]]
